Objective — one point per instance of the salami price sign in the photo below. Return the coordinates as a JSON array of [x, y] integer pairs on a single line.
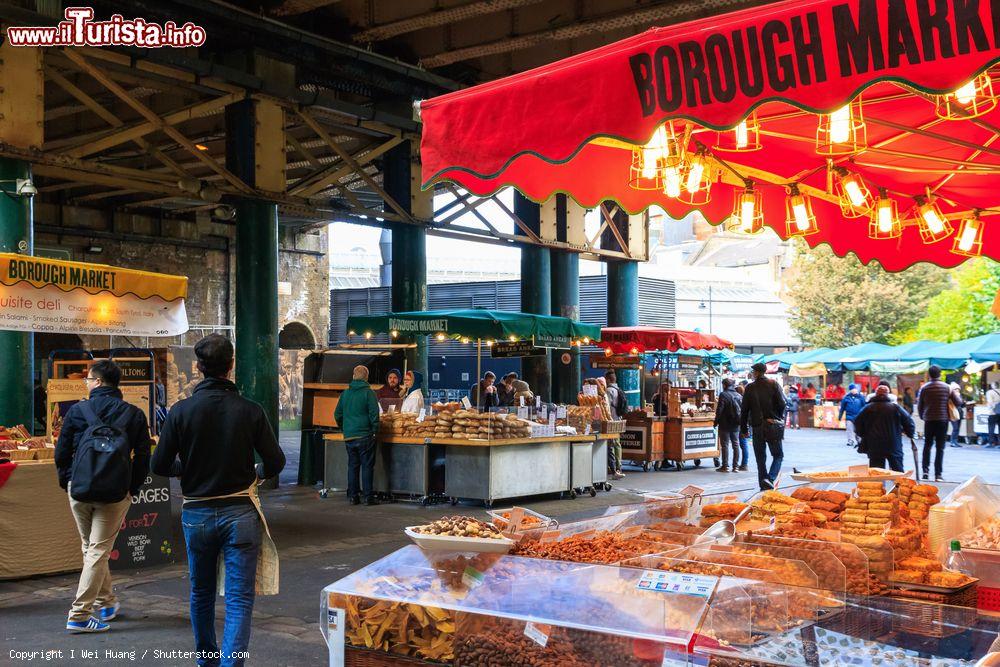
[[146, 536]]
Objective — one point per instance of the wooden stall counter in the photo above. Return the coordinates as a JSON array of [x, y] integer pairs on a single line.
[[691, 439]]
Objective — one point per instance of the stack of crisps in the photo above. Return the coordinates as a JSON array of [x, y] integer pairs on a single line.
[[866, 522]]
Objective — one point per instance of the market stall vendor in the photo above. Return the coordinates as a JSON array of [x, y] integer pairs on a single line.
[[413, 383], [391, 393], [484, 394], [506, 391]]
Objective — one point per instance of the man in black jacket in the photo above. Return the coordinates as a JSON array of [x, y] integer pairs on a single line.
[[216, 433], [99, 523], [881, 425], [727, 420], [764, 409]]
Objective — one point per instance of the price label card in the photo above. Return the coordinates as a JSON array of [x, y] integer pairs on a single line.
[[380, 410], [466, 403], [516, 517], [537, 632], [859, 470], [392, 409], [731, 498], [334, 634], [678, 583], [590, 390], [692, 490], [422, 415], [538, 402], [521, 399], [472, 578], [552, 419], [561, 412], [543, 413], [550, 536], [522, 412]]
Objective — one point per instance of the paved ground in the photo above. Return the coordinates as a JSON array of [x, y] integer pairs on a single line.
[[323, 540]]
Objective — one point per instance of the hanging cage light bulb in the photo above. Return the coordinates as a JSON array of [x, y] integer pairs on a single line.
[[842, 131], [672, 182], [748, 214], [855, 198], [970, 100], [799, 217], [650, 161], [743, 138], [699, 174], [933, 225], [969, 240], [440, 336], [884, 222]]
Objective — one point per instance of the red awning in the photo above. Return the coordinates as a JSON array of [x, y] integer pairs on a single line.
[[636, 340], [923, 125]]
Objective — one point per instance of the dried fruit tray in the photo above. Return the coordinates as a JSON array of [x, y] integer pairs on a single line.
[[459, 544]]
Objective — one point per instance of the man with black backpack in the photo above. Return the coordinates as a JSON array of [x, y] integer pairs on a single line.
[[102, 458], [618, 403]]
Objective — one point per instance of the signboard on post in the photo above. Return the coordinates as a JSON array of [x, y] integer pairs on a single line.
[[553, 342], [146, 536], [520, 348], [617, 361], [633, 439]]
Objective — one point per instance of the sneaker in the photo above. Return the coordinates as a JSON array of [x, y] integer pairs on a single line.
[[371, 501], [109, 613], [90, 625], [766, 485], [743, 468], [354, 500], [938, 478], [735, 469], [618, 475], [722, 469], [925, 474], [955, 444]]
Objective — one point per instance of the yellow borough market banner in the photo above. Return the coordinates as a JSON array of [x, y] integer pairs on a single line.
[[54, 296]]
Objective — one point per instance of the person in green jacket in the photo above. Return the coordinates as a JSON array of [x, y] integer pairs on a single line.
[[357, 414]]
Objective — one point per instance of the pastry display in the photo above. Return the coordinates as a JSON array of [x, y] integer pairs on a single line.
[[918, 498], [602, 547], [719, 511], [454, 424], [985, 536]]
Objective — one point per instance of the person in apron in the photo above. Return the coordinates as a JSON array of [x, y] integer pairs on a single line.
[[209, 440]]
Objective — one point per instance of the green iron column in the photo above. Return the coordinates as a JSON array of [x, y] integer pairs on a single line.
[[536, 296], [623, 306], [256, 290], [16, 348], [565, 303], [409, 247]]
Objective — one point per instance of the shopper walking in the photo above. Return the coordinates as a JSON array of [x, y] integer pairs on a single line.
[[763, 409], [727, 421], [955, 414], [102, 458], [619, 406], [993, 418], [880, 427], [744, 438], [933, 404], [357, 414], [850, 406], [908, 400], [793, 406], [209, 440]]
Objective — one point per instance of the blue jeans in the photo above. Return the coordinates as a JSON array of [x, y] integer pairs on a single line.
[[360, 459], [234, 531], [744, 445]]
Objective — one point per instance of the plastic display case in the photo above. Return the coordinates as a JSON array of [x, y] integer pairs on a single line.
[[491, 609]]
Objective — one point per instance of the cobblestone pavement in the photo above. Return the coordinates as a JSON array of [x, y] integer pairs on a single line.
[[320, 541]]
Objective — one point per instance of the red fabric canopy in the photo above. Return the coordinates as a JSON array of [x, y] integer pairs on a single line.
[[636, 340], [561, 128]]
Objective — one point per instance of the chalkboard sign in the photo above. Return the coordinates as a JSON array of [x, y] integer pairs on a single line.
[[146, 537]]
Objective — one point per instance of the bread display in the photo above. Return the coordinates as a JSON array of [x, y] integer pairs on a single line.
[[456, 424]]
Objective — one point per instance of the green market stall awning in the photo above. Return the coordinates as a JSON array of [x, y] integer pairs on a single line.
[[903, 359], [784, 360], [476, 324], [852, 358], [956, 355], [868, 125]]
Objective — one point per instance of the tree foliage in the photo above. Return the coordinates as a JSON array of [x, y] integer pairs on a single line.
[[838, 301], [964, 309]]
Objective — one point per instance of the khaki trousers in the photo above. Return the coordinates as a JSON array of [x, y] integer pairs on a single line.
[[98, 524]]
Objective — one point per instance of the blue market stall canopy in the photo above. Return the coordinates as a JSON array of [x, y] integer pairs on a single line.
[[853, 358], [955, 355], [914, 357]]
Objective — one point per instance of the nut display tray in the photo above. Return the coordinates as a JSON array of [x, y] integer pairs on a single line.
[[459, 544], [906, 586]]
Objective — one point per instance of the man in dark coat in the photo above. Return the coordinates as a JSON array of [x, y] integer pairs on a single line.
[[764, 409], [880, 426], [727, 420]]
